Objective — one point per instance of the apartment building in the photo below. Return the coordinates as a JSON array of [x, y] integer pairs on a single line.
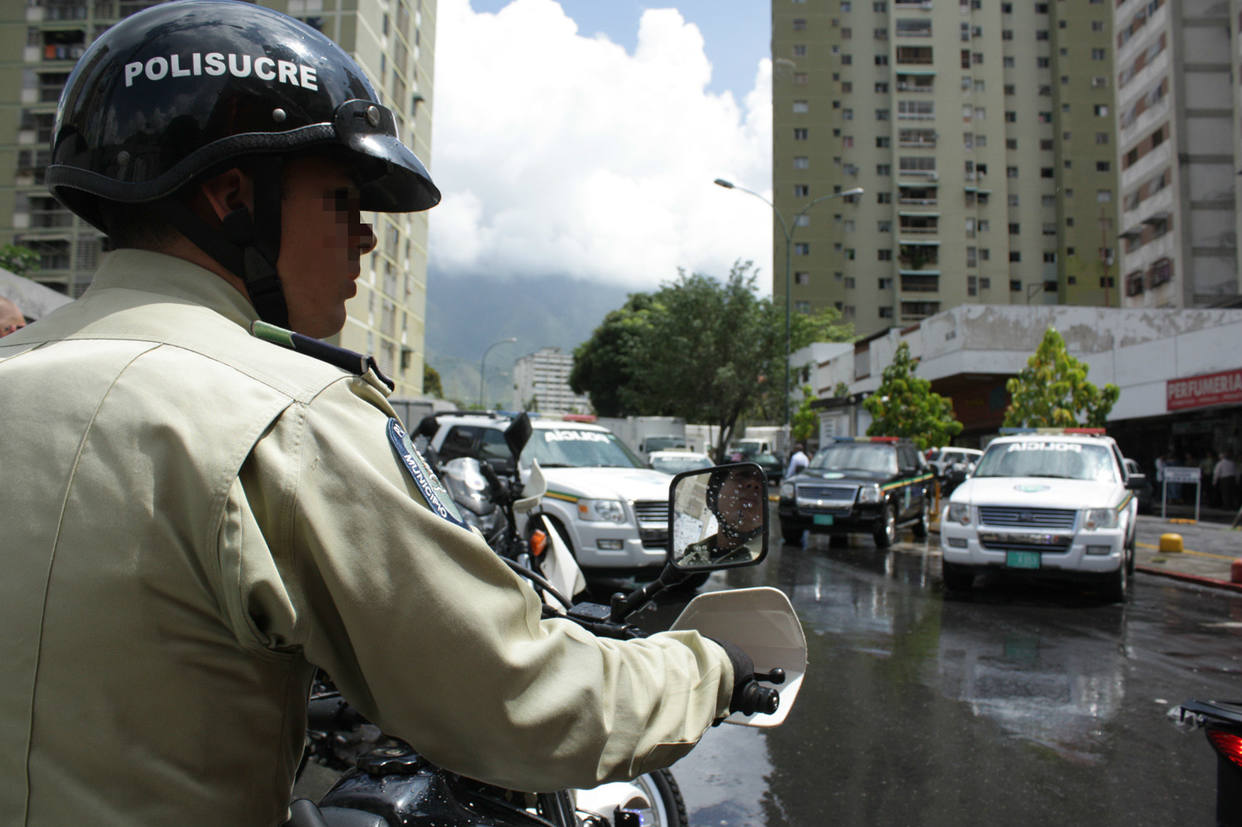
[[1178, 151], [982, 133], [394, 42], [541, 383]]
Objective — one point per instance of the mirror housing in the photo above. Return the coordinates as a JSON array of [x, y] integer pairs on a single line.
[[718, 517], [1136, 482]]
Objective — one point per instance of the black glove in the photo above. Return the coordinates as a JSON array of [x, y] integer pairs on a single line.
[[743, 674]]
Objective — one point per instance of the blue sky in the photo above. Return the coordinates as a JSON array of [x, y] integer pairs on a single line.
[[580, 139], [736, 33]]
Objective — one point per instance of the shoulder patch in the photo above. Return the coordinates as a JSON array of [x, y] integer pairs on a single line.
[[428, 483]]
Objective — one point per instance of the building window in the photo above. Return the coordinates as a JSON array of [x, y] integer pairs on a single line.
[[802, 248], [883, 255], [799, 24], [802, 277], [802, 191], [800, 133], [802, 162]]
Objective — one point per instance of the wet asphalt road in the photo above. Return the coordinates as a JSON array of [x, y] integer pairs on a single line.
[[1012, 705]]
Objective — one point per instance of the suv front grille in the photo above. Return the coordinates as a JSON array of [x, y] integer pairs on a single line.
[[1061, 519], [826, 496], [652, 522], [652, 511]]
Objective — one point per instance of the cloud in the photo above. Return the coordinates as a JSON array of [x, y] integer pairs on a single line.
[[563, 154]]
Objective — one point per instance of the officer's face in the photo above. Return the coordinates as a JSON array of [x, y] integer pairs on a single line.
[[322, 238], [740, 502]]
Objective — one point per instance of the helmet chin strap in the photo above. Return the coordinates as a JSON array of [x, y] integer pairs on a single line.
[[245, 245]]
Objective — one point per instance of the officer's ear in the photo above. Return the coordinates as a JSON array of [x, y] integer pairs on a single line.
[[221, 194]]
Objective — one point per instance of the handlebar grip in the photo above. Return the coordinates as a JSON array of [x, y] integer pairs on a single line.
[[756, 699]]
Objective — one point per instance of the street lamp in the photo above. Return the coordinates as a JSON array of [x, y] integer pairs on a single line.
[[483, 365], [788, 231]]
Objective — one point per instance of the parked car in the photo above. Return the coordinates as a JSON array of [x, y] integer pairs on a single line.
[[941, 458], [674, 462], [611, 509], [773, 466], [1046, 505], [864, 484]]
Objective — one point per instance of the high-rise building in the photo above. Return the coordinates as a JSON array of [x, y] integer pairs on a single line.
[[393, 41], [1178, 151], [541, 383], [983, 135]]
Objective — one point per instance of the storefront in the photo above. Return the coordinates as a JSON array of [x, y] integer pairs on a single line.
[[1202, 419]]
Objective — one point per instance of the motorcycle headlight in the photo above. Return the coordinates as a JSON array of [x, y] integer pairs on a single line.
[[787, 490], [601, 511], [1094, 518], [869, 494], [959, 513]]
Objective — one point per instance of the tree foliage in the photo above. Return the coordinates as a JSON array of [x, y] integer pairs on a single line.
[[431, 382], [904, 405], [1052, 391], [20, 260], [711, 352], [805, 420]]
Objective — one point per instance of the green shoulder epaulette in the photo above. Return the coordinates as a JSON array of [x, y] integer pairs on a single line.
[[347, 360]]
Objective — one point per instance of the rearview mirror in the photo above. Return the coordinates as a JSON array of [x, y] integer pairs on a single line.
[[718, 517]]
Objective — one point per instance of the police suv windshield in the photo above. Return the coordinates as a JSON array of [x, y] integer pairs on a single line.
[[1048, 458], [577, 448], [877, 457]]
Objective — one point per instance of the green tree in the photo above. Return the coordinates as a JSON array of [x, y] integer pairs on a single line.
[[805, 420], [709, 351], [20, 260], [904, 405], [1052, 391], [431, 382], [604, 365]]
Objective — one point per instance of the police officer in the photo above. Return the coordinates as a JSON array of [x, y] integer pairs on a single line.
[[203, 515]]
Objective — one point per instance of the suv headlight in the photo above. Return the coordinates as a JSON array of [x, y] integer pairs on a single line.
[[869, 494], [959, 513], [787, 490], [601, 511], [1094, 518]]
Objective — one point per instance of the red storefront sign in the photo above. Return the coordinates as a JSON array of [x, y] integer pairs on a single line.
[[1207, 389]]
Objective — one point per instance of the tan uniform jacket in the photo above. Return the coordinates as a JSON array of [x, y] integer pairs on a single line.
[[192, 517]]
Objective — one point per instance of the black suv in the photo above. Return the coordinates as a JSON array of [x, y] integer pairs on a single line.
[[874, 484]]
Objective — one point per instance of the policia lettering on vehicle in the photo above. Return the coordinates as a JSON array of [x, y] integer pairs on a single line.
[[201, 516]]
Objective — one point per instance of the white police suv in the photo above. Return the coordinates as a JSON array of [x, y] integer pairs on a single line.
[[611, 510], [1048, 503]]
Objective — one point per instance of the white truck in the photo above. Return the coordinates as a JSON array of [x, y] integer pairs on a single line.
[[644, 434]]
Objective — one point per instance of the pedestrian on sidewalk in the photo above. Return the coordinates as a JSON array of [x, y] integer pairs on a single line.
[[1225, 480]]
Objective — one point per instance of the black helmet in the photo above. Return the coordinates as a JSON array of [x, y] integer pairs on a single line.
[[183, 88]]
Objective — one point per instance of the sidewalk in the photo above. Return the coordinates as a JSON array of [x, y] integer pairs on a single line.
[[1209, 550]]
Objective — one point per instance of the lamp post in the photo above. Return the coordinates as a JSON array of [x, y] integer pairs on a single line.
[[483, 365], [788, 231]]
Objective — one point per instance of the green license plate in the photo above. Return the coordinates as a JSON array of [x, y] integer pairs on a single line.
[[822, 519], [1022, 559]]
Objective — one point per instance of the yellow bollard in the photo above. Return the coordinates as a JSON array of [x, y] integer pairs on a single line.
[[1170, 543]]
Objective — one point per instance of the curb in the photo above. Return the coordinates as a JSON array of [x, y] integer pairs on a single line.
[[1192, 578]]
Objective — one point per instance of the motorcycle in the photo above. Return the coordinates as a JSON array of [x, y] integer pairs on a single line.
[[390, 784], [1221, 722]]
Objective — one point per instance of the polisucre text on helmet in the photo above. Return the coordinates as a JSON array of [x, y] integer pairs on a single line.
[[217, 64]]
